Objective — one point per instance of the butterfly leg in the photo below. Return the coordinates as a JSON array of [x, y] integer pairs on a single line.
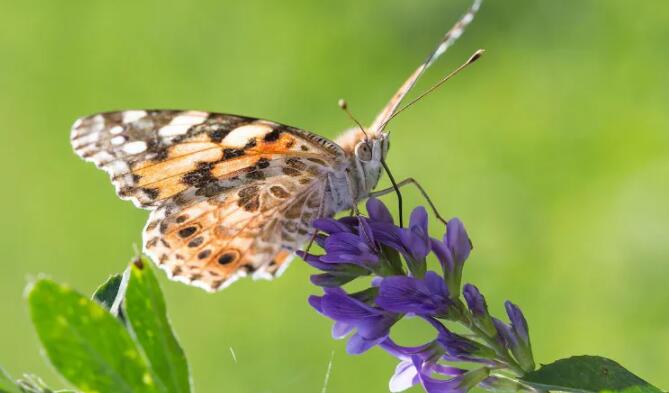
[[321, 211], [354, 204], [404, 182]]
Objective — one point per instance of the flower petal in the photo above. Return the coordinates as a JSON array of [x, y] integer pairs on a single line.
[[405, 376], [358, 344], [330, 225], [331, 280], [518, 321], [458, 384], [378, 211], [475, 300], [457, 240], [341, 330], [416, 239], [409, 295], [419, 218], [342, 307], [444, 255], [316, 302]]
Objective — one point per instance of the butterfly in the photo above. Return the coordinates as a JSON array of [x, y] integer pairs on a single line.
[[230, 195]]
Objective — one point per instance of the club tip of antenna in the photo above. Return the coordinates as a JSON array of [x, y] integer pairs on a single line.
[[477, 55], [342, 103]]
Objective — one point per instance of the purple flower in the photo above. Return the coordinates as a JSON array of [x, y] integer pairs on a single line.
[[429, 355], [461, 383], [479, 309], [346, 246], [372, 324], [452, 253], [378, 212], [351, 251], [475, 300], [420, 365], [516, 336], [427, 296], [336, 274], [518, 322], [460, 348], [406, 374], [415, 238], [401, 286], [432, 351]]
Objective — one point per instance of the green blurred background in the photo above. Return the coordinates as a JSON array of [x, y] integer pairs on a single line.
[[553, 149]]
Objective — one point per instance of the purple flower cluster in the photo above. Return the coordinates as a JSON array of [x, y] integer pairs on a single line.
[[401, 286]]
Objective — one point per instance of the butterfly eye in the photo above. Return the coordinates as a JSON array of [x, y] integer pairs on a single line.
[[363, 151]]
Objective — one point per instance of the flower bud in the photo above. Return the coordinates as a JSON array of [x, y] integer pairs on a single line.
[[479, 309]]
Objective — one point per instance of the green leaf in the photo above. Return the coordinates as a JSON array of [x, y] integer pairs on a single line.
[[146, 312], [106, 293], [7, 385], [86, 344], [586, 374]]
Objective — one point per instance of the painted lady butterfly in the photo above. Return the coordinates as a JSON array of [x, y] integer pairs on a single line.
[[232, 195]]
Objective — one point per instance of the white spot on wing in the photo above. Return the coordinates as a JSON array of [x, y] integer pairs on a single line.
[[241, 135], [98, 123], [130, 116], [134, 147], [117, 140], [102, 156], [85, 139], [117, 167], [190, 117], [182, 123], [174, 130], [116, 130]]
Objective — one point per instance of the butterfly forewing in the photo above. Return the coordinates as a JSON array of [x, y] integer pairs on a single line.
[[155, 155]]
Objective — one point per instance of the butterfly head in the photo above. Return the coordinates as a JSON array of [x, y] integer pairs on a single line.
[[372, 149], [368, 154]]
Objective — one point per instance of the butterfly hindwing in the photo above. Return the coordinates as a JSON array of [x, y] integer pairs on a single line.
[[249, 228]]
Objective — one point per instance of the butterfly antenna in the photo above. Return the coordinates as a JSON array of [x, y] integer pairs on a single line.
[[477, 55], [344, 106]]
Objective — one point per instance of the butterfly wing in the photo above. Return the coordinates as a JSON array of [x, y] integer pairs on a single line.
[[229, 194], [449, 38], [252, 228], [155, 155]]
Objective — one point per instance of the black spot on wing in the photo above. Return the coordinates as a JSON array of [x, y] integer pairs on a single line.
[[201, 176], [250, 144], [230, 153], [262, 163], [152, 193], [272, 136], [226, 258], [186, 232]]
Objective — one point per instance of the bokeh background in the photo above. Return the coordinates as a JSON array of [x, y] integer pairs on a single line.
[[553, 149]]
